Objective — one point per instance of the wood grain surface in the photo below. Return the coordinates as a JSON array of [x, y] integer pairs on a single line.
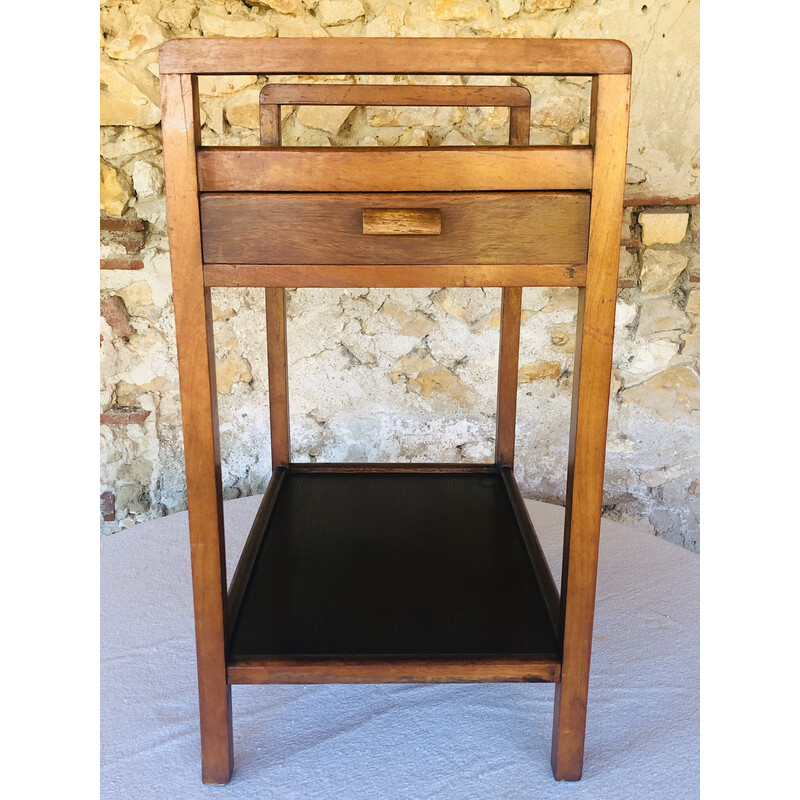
[[476, 228], [383, 169], [397, 56]]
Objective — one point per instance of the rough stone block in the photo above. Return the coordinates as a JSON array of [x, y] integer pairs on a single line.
[[693, 302], [324, 118], [539, 371], [660, 268], [115, 190], [673, 393], [242, 109], [460, 10], [216, 22], [668, 227], [128, 95], [661, 316], [143, 35], [508, 8], [563, 113], [339, 12]]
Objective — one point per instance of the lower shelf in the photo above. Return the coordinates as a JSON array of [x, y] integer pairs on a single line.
[[385, 575]]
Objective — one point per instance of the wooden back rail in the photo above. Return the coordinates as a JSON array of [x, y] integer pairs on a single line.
[[275, 95], [191, 170]]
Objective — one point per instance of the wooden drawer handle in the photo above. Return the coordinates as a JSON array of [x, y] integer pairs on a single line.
[[398, 221]]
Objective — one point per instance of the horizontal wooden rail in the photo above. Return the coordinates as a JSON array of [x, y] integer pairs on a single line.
[[412, 169], [391, 466], [392, 276], [429, 56], [377, 670], [348, 94]]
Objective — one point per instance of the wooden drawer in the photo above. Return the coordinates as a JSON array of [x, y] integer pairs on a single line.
[[356, 228]]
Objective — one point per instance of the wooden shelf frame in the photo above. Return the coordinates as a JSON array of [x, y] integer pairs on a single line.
[[190, 169]]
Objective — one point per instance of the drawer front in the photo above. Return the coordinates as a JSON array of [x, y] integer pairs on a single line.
[[355, 228]]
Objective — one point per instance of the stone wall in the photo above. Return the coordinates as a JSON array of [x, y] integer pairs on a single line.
[[405, 374]]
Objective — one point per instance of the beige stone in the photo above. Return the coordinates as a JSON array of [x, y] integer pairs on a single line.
[[425, 377], [545, 136], [415, 137], [214, 111], [144, 34], [490, 320], [178, 15], [242, 109], [291, 27], [138, 298], [324, 118], [130, 142], [563, 339], [661, 316], [563, 113], [115, 190], [460, 10], [547, 5], [672, 393], [224, 84], [128, 95], [634, 175], [691, 343], [339, 12], [294, 7], [508, 8], [693, 302], [148, 180], [539, 371], [516, 29], [406, 117], [388, 23], [216, 22], [232, 370], [667, 227], [412, 323], [580, 136], [660, 268], [647, 357], [625, 313], [456, 139]]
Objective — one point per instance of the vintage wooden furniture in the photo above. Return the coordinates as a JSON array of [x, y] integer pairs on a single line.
[[394, 572]]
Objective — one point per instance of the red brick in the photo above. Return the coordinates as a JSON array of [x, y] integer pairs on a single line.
[[122, 224], [661, 200], [116, 315], [108, 506], [124, 416], [119, 263]]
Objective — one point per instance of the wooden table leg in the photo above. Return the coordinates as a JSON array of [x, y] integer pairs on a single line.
[[590, 399], [196, 361]]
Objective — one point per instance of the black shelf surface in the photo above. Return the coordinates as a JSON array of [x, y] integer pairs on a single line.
[[425, 564]]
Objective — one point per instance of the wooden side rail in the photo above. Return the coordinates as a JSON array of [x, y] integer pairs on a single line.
[[434, 56]]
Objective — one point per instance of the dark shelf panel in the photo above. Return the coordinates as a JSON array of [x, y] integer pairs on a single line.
[[391, 564]]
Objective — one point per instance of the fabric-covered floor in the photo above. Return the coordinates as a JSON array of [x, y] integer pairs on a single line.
[[402, 742]]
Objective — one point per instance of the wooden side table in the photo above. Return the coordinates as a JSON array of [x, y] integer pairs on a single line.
[[371, 573]]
